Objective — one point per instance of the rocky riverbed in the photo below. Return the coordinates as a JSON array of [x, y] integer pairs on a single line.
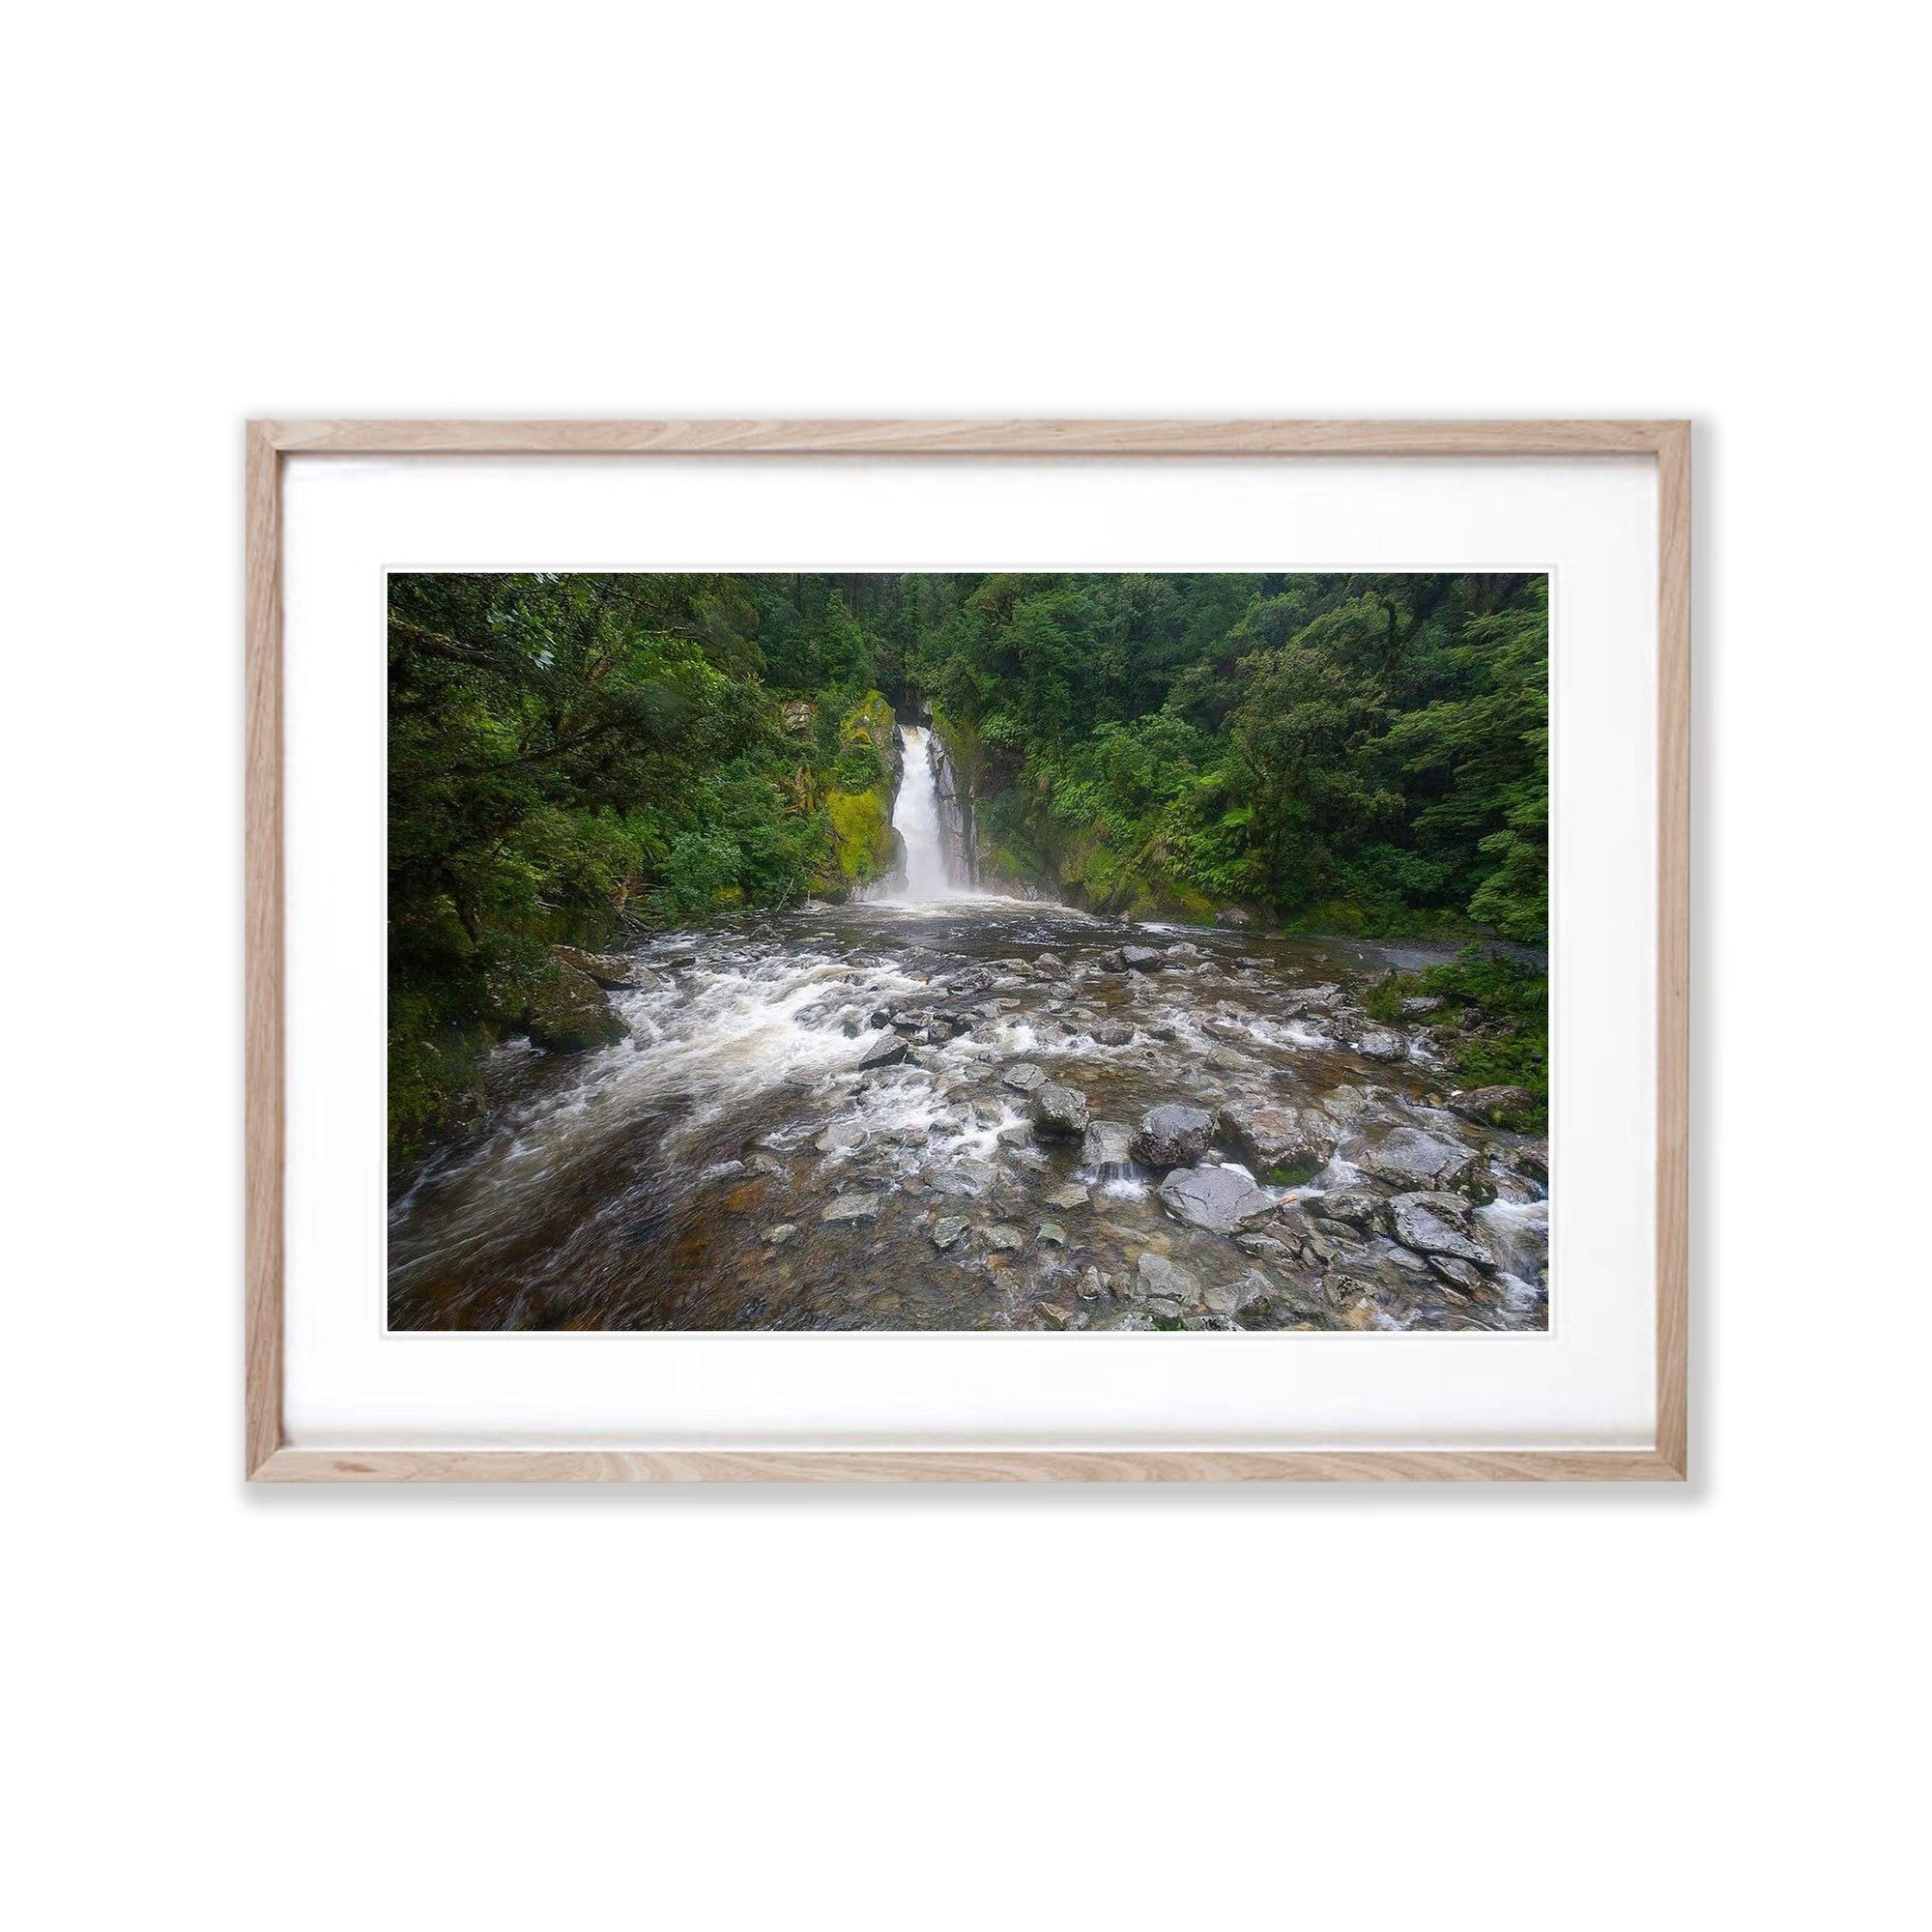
[[979, 1113]]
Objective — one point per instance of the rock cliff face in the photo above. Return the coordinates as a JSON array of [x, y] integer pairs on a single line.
[[865, 846]]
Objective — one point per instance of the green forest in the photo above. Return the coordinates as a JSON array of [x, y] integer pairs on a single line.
[[575, 756]]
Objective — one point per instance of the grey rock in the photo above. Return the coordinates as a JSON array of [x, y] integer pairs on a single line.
[[947, 1230], [1156, 1275], [611, 970], [1264, 1247], [1231, 1297], [1110, 1033], [1023, 1077], [967, 1178], [1107, 1145], [782, 1232], [1172, 1136], [1421, 1003], [841, 1137], [1433, 1224], [1068, 1197], [886, 1053], [850, 1207], [1004, 1237], [1220, 1199], [1345, 1103], [1051, 1234], [1092, 1284], [1015, 1133], [1161, 1307], [1352, 1205], [1413, 1160], [1139, 956], [1377, 1043], [1276, 1136], [1458, 1273], [567, 1013], [1049, 1314], [1059, 1112]]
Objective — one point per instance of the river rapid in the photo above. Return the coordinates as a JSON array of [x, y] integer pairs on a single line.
[[956, 1110]]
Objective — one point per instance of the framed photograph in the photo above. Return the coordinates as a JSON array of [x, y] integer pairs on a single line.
[[967, 951]]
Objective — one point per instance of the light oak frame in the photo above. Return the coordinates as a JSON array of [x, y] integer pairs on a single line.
[[269, 1459]]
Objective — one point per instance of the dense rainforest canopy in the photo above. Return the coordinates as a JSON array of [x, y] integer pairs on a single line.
[[571, 753]]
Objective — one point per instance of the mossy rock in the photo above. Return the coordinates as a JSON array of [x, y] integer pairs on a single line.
[[865, 849], [865, 846], [569, 1014]]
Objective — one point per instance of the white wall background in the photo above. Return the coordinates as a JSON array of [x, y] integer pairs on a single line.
[[1334, 1709]]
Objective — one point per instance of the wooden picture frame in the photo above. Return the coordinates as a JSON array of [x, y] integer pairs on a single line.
[[269, 1457]]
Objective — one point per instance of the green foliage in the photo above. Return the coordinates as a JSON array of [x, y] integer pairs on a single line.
[[1370, 752]]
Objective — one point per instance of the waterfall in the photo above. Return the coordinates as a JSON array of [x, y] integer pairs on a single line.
[[916, 819]]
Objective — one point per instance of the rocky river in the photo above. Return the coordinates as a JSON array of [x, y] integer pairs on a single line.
[[953, 1110]]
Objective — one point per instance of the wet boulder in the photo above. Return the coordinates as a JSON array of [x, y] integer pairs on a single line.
[[610, 971], [1172, 1136], [1435, 1223], [1060, 1112], [964, 1178], [851, 1208], [569, 1013], [1345, 1103], [1108, 1146], [841, 1137], [1139, 956], [1280, 1140], [1459, 1275], [1354, 1206], [947, 1230], [1264, 1247], [1110, 1033], [1023, 1077], [1231, 1297], [1417, 1161], [885, 1052], [1221, 1199], [1377, 1043], [1154, 1275]]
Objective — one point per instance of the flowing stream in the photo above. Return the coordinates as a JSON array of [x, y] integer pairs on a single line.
[[838, 1117]]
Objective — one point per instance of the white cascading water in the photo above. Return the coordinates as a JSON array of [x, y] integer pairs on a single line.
[[915, 818]]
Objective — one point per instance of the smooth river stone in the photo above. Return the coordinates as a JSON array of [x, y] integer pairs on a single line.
[[1218, 1198], [850, 1207]]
